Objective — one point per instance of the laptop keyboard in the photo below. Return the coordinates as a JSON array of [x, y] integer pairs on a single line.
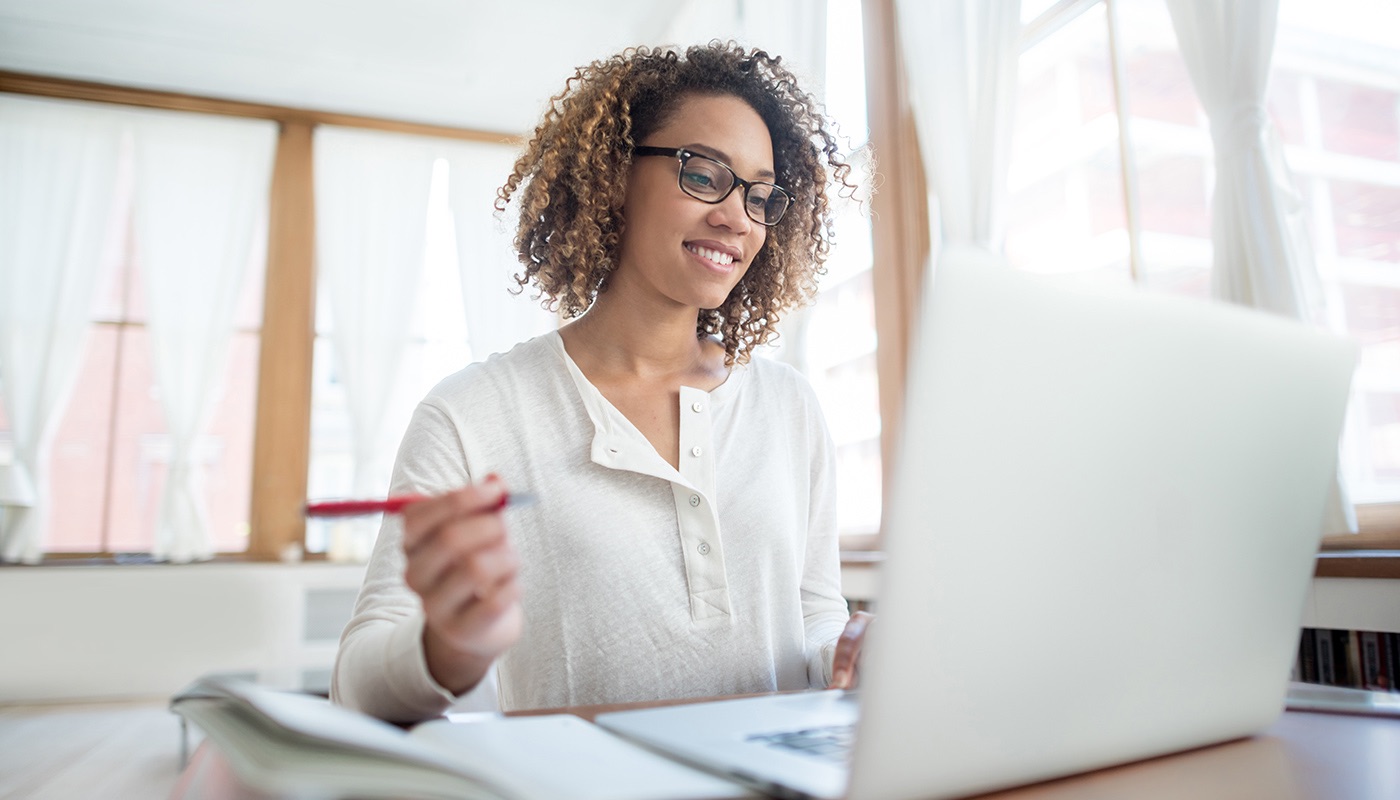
[[829, 742]]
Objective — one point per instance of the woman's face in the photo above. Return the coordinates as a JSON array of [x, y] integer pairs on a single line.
[[678, 249]]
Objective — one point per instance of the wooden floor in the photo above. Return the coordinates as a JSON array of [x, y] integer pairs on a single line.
[[114, 750]]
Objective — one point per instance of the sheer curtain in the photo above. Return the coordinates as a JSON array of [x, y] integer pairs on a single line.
[[57, 185], [371, 219], [961, 58], [793, 29], [1262, 258], [200, 215], [496, 319]]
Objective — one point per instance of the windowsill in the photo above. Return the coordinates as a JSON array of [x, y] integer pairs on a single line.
[[1358, 564], [1331, 564], [859, 541], [145, 560], [862, 558], [856, 550]]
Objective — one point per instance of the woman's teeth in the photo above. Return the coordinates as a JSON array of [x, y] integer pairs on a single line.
[[713, 255]]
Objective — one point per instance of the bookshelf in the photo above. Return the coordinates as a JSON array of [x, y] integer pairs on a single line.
[[1352, 659]]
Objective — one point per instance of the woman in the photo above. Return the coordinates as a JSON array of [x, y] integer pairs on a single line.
[[684, 540]]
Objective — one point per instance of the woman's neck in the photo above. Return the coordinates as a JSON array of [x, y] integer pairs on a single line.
[[620, 340]]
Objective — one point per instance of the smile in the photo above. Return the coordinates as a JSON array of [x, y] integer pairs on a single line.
[[717, 256]]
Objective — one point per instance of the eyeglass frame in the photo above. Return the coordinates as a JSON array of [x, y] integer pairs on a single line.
[[683, 155]]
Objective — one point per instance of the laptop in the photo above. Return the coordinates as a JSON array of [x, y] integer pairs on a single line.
[[1100, 536]]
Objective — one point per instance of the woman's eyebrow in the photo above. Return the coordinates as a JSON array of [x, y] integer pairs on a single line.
[[718, 154]]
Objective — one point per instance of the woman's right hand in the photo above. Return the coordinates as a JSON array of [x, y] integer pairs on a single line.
[[461, 564]]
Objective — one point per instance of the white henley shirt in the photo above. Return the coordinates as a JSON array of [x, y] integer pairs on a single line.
[[639, 581]]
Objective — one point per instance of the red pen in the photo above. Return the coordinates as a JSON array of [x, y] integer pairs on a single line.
[[395, 504]]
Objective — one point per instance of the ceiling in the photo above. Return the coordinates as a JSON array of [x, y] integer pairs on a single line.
[[470, 63]]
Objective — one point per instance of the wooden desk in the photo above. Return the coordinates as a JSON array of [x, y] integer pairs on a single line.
[[1303, 756]]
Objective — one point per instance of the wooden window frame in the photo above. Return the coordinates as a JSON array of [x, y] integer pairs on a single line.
[[901, 239], [282, 425]]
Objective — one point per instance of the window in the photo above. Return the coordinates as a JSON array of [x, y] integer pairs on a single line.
[[438, 341], [436, 346], [109, 463], [1110, 182], [835, 337], [1085, 207], [113, 447]]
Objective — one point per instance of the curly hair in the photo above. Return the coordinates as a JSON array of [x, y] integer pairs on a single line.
[[571, 181]]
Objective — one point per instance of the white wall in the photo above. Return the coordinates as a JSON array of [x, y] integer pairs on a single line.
[[69, 633], [1356, 604], [84, 633]]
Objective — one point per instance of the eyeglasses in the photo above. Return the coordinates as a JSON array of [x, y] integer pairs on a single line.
[[711, 181]]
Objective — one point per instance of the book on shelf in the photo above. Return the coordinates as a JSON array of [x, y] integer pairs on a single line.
[[1351, 648], [1373, 670], [1392, 659], [284, 743], [1326, 658], [1356, 659], [1307, 657]]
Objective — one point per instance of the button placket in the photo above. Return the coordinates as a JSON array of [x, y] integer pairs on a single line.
[[701, 544]]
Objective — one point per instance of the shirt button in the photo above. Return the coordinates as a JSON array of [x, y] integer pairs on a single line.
[[704, 548], [697, 407], [694, 500], [696, 451]]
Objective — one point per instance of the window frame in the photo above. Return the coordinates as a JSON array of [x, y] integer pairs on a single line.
[[282, 424]]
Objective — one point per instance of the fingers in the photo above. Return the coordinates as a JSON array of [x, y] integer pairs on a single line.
[[441, 534], [471, 553], [483, 611], [461, 564], [465, 579], [423, 521], [846, 660]]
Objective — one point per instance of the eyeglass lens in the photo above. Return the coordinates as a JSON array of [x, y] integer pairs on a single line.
[[709, 180]]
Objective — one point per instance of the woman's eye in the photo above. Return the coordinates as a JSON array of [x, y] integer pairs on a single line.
[[699, 180]]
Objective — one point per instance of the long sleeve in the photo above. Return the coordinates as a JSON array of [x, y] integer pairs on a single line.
[[381, 667]]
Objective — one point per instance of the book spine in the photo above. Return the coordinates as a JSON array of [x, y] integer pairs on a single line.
[[1385, 679], [1325, 673], [1356, 675], [1392, 660], [1307, 650], [1372, 674], [1341, 671]]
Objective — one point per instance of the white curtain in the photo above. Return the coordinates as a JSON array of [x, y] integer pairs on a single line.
[[961, 58], [496, 320], [793, 29], [1262, 258], [371, 219], [57, 185], [201, 200]]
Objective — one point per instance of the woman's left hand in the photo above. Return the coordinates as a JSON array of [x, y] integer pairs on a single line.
[[845, 665]]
